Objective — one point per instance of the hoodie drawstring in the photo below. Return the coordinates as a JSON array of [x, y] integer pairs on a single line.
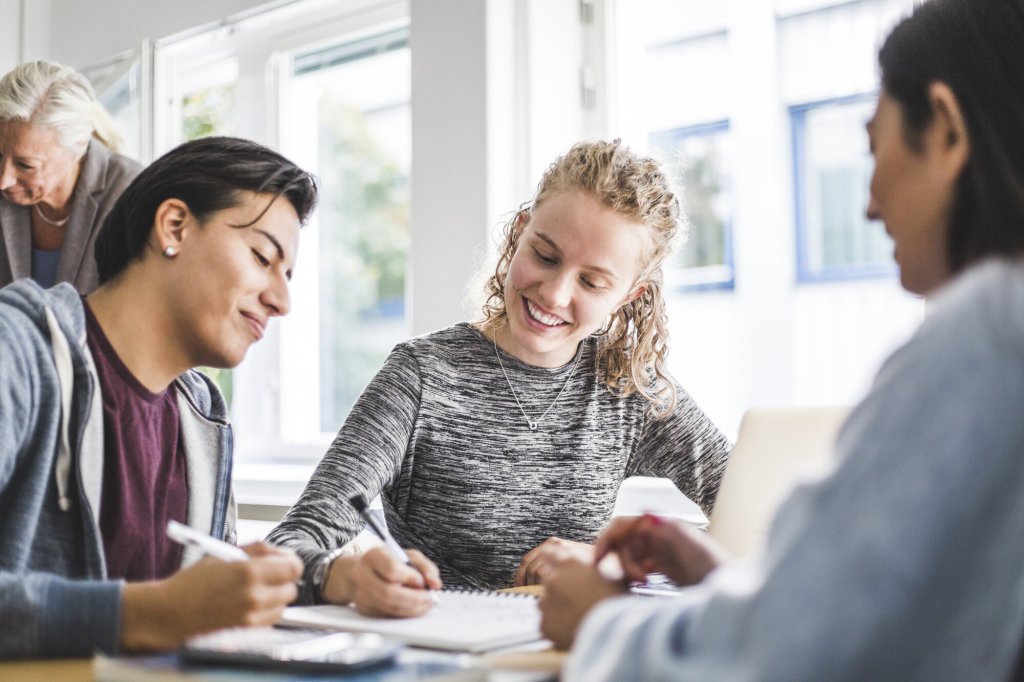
[[65, 373]]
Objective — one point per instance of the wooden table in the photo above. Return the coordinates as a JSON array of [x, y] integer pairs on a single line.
[[80, 669]]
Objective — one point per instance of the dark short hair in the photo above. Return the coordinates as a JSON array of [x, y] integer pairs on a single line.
[[976, 47], [209, 175]]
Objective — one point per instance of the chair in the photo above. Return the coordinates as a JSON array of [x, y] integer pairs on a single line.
[[776, 448]]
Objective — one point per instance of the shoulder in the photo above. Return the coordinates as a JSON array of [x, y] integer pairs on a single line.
[[104, 170], [987, 300], [202, 392], [458, 343], [23, 304], [121, 170], [121, 167]]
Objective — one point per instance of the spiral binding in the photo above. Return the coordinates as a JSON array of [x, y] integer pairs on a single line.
[[492, 593]]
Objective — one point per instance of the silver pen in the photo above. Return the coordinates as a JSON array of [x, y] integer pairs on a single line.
[[359, 502], [187, 535]]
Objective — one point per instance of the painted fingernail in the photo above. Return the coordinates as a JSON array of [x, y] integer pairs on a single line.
[[655, 520]]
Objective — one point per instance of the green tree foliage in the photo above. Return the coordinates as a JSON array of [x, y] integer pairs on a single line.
[[364, 244]]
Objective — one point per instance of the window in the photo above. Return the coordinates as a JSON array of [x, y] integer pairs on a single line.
[[832, 170], [327, 84], [202, 101], [673, 93], [119, 86], [347, 119], [700, 158]]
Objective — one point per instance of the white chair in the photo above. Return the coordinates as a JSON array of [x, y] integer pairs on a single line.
[[775, 449]]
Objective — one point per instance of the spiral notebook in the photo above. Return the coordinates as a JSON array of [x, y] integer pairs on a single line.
[[472, 621]]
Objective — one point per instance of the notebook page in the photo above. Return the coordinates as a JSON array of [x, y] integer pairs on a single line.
[[460, 621]]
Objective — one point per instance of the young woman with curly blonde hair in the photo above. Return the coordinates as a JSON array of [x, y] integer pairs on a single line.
[[497, 443]]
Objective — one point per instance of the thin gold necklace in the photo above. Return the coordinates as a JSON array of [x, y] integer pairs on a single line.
[[533, 424], [56, 223]]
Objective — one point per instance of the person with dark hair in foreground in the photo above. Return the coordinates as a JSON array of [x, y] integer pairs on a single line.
[[907, 562], [107, 433]]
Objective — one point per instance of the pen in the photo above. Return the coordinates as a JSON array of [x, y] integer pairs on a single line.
[[359, 502], [187, 535]]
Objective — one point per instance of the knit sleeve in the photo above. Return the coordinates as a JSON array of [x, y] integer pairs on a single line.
[[686, 447], [364, 458]]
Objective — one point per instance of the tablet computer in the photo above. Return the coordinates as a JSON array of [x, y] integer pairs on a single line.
[[291, 649]]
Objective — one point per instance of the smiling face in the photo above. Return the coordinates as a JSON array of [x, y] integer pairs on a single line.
[[229, 280], [576, 263], [34, 166], [912, 193]]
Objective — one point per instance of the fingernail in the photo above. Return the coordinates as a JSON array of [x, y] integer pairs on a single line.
[[655, 520]]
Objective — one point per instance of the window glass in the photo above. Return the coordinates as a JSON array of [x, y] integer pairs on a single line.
[[349, 119], [208, 100], [206, 106], [833, 169], [672, 96], [699, 158]]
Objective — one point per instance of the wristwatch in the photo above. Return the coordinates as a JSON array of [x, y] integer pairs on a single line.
[[322, 571]]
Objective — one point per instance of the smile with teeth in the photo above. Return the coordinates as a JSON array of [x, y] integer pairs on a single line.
[[535, 314]]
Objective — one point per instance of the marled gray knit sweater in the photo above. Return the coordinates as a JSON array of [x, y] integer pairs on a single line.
[[465, 480]]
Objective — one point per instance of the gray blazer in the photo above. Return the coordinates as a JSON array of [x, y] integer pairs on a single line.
[[103, 177]]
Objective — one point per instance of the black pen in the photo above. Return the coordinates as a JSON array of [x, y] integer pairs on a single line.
[[360, 505]]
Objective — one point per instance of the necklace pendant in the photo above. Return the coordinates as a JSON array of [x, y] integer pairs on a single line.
[[533, 425]]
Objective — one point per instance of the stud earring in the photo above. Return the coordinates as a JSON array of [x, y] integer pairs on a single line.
[[170, 252]]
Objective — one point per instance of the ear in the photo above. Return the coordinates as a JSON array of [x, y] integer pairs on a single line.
[[171, 225], [636, 293], [947, 135], [521, 219]]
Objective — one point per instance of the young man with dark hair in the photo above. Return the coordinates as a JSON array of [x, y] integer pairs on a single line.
[[107, 432]]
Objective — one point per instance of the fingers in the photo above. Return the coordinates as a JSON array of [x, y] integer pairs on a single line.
[[385, 586], [615, 535], [392, 570], [536, 564], [427, 568], [571, 590], [523, 573], [262, 549]]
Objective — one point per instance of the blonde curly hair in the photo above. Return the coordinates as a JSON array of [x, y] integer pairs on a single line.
[[633, 344]]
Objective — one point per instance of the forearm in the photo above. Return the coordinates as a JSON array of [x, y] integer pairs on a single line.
[[148, 621], [46, 615], [339, 588]]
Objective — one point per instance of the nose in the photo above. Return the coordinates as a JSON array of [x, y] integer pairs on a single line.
[[872, 211], [556, 292], [276, 296], [6, 174]]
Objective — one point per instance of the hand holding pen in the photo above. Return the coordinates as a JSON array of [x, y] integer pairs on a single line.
[[239, 586], [388, 581]]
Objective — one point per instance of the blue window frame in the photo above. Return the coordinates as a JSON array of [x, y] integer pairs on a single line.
[[700, 161], [831, 174]]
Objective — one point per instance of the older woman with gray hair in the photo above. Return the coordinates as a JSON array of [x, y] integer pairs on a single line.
[[59, 175]]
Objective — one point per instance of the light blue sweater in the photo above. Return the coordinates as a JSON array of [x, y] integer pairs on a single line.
[[906, 564], [55, 598]]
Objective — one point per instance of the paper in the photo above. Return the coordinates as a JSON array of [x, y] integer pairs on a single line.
[[460, 621]]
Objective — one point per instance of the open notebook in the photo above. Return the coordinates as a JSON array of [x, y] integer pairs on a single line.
[[460, 621]]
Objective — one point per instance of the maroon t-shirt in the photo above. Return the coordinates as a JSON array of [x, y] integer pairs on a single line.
[[145, 482]]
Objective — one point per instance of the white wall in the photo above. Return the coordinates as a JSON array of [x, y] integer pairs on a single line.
[[10, 34], [450, 152], [85, 32]]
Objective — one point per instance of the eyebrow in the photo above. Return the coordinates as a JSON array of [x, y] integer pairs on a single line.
[[596, 268]]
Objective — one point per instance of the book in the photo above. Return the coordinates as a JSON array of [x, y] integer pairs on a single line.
[[469, 621]]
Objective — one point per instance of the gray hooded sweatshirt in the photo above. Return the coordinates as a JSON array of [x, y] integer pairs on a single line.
[[906, 563], [55, 596]]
